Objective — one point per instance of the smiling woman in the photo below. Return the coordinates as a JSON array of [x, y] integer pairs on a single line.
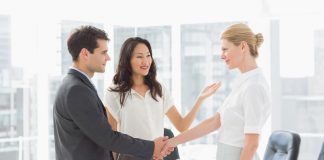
[[141, 60], [137, 103], [245, 110]]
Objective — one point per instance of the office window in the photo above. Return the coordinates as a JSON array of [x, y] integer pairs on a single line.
[[15, 102], [302, 94], [201, 65], [8, 149], [120, 35], [5, 58]]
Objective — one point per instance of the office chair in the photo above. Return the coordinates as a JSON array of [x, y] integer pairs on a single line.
[[321, 156], [282, 145], [175, 154]]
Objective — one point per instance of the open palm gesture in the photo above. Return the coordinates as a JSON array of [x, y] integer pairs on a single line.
[[209, 90]]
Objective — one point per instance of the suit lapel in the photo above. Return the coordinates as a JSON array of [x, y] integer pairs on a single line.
[[86, 81], [83, 78]]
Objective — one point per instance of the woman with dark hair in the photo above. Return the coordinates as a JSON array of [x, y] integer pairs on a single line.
[[136, 102]]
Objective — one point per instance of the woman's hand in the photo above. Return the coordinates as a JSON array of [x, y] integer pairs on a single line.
[[169, 146], [209, 90]]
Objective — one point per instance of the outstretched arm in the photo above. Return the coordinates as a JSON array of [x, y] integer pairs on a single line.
[[205, 127], [182, 124]]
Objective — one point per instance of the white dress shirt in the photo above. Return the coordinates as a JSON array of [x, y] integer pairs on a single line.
[[246, 108], [139, 117]]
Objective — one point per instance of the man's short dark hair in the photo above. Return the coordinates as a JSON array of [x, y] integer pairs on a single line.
[[85, 37]]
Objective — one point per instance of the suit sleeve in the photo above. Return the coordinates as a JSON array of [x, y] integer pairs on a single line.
[[84, 109]]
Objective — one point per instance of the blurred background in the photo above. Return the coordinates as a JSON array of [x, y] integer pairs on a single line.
[[185, 36]]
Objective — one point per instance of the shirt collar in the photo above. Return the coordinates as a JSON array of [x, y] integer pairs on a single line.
[[133, 92], [83, 74], [244, 76]]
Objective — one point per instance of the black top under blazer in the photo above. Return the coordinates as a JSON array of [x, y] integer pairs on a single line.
[[81, 129]]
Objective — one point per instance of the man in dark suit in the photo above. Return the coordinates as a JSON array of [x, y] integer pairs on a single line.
[[81, 129]]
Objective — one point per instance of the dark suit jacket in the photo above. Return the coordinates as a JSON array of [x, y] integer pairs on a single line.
[[81, 129]]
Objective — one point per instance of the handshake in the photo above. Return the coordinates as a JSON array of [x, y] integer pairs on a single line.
[[163, 146]]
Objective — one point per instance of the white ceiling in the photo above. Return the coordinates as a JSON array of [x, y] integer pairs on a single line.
[[156, 12]]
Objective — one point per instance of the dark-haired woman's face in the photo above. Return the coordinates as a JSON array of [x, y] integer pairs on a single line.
[[141, 60]]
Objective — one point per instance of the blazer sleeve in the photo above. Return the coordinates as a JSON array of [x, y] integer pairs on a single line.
[[83, 107]]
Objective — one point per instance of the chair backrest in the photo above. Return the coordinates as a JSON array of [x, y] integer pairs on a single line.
[[282, 145], [321, 156], [175, 154]]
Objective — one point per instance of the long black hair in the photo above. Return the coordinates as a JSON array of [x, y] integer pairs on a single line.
[[123, 77]]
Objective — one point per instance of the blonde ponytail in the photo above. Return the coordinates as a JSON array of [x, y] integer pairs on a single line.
[[241, 32]]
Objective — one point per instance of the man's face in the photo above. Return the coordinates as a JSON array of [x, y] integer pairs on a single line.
[[97, 60]]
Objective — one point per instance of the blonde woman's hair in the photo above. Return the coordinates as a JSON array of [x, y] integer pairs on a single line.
[[241, 32]]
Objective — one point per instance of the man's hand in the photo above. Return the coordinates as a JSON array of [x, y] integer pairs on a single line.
[[168, 147], [158, 145]]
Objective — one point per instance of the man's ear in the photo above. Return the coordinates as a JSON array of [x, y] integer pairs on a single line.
[[84, 53]]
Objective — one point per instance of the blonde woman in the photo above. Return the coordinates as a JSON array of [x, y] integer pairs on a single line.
[[241, 117]]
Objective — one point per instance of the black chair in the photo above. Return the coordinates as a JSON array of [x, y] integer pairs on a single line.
[[175, 154], [321, 156], [282, 145]]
